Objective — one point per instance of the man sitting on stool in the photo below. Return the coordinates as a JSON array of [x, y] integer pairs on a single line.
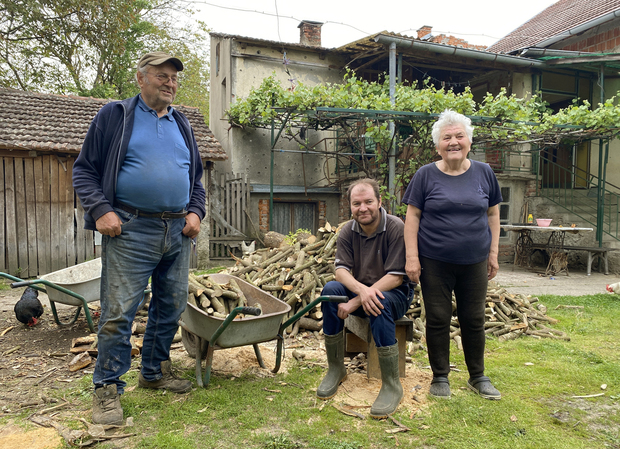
[[370, 270]]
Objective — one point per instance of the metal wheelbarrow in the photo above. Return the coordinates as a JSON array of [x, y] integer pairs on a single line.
[[75, 286], [202, 333]]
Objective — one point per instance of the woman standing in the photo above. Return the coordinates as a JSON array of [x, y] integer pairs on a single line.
[[452, 241]]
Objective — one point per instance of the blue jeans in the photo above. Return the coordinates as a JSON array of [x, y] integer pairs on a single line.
[[382, 327], [147, 247]]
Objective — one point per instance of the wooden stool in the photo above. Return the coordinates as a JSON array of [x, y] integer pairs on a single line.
[[358, 338]]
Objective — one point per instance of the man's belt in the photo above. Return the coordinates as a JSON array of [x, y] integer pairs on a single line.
[[139, 213]]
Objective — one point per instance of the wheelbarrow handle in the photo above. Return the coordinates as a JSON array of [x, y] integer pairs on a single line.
[[22, 284], [334, 298], [303, 311], [251, 311]]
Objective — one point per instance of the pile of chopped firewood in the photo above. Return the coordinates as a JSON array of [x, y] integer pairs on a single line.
[[508, 316], [216, 299], [296, 271]]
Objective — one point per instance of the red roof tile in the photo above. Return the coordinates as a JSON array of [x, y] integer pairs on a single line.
[[58, 123], [553, 21]]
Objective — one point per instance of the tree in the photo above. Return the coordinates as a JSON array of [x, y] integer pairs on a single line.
[[90, 47]]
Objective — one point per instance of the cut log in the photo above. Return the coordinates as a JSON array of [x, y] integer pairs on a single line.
[[82, 360]]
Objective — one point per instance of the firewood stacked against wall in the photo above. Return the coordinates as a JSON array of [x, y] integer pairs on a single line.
[[296, 271]]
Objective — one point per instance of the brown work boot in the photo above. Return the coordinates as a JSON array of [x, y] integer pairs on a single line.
[[168, 380], [107, 406]]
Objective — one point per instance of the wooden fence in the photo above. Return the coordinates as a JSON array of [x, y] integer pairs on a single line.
[[40, 220], [229, 200]]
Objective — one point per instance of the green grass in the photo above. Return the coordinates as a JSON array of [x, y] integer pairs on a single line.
[[537, 377]]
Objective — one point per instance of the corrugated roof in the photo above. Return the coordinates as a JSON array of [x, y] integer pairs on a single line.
[[553, 21], [58, 123]]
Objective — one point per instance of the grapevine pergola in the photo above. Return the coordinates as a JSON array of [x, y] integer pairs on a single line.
[[492, 133], [396, 118]]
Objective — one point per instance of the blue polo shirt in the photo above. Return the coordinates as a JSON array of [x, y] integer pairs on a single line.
[[154, 176]]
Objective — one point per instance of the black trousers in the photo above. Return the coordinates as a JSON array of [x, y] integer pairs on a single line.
[[469, 283]]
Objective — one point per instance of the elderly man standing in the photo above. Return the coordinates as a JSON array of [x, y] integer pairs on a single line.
[[138, 179], [370, 270]]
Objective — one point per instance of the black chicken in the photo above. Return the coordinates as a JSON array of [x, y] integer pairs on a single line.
[[28, 308]]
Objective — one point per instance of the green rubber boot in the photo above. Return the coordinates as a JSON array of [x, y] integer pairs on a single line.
[[391, 391], [336, 371]]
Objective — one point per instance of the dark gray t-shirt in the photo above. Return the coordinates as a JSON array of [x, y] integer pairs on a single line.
[[369, 258], [454, 226]]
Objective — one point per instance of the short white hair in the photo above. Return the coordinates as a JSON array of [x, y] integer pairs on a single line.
[[143, 70], [451, 118]]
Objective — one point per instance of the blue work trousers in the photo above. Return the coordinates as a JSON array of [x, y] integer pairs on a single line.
[[395, 304], [146, 248]]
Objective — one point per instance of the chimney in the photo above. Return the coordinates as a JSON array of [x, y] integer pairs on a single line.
[[424, 32], [310, 33]]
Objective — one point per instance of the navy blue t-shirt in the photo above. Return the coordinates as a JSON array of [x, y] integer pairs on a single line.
[[454, 226]]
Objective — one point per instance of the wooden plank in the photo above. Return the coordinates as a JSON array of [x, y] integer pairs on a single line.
[[227, 203], [21, 218], [246, 203], [69, 214], [55, 232], [237, 187], [80, 251], [42, 192], [62, 213], [11, 230], [31, 217], [3, 262]]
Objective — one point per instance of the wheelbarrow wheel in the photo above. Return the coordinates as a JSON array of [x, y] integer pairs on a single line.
[[190, 342]]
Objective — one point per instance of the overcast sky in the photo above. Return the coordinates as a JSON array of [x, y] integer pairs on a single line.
[[480, 22]]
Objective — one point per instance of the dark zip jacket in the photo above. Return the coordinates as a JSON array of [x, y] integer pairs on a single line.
[[96, 168]]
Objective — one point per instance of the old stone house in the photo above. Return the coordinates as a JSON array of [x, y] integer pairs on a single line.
[[568, 51]]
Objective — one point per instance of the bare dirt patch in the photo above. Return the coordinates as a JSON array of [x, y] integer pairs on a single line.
[[34, 371]]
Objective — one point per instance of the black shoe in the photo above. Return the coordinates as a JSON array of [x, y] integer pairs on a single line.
[[483, 386]]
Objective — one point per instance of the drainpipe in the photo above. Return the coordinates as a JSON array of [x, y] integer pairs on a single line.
[[602, 170], [599, 196], [273, 144], [476, 55], [392, 156]]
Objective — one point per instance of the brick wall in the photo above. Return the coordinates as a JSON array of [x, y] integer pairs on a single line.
[[606, 41], [263, 215], [322, 213], [344, 211], [530, 189], [447, 40]]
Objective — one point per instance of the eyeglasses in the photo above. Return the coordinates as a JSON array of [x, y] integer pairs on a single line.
[[165, 78]]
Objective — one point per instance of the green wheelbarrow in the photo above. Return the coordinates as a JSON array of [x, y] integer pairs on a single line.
[[75, 286], [202, 334]]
